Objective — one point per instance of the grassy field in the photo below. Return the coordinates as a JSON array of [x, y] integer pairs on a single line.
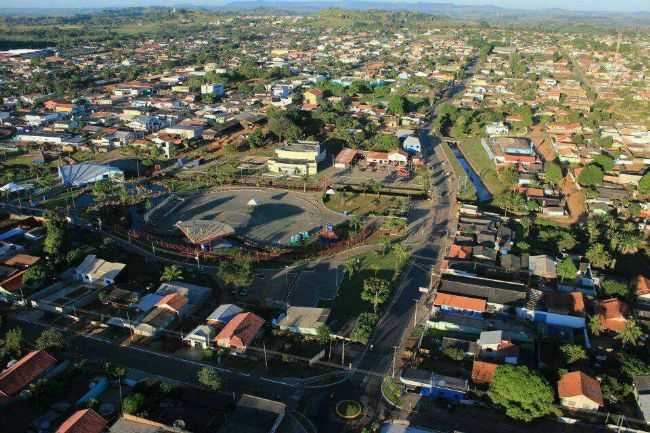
[[348, 305], [470, 192], [365, 204], [476, 156]]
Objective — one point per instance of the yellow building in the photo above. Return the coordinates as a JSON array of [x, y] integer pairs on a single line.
[[313, 96], [297, 159]]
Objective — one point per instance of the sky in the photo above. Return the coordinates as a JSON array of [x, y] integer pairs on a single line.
[[580, 5]]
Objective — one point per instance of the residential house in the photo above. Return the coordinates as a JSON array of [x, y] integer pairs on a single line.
[[83, 421], [483, 372], [255, 415], [642, 288], [495, 347], [464, 305], [240, 332], [313, 97], [346, 158], [23, 372], [641, 384], [223, 314], [200, 337], [434, 385], [500, 295], [98, 271], [579, 391], [304, 320], [613, 314]]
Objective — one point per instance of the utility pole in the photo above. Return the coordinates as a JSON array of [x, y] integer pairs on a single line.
[[343, 355], [394, 356], [266, 363]]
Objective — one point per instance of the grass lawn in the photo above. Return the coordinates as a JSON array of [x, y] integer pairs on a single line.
[[348, 305], [365, 204], [469, 193], [479, 160]]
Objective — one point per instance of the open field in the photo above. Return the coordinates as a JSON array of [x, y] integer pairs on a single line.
[[277, 216], [367, 204]]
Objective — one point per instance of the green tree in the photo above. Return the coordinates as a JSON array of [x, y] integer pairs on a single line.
[[553, 173], [50, 339], [591, 175], [524, 395], [171, 273], [351, 266], [55, 236], [364, 327], [256, 139], [596, 325], [376, 291], [614, 288], [566, 269], [630, 334], [566, 242], [598, 256], [324, 334], [573, 353], [13, 341], [605, 162], [401, 255], [644, 184], [34, 277], [615, 391], [236, 273], [210, 378], [397, 105], [132, 403]]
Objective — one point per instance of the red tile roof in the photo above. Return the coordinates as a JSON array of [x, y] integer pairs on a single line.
[[24, 371], [576, 384], [642, 285], [175, 301], [460, 302], [83, 421], [459, 252], [483, 372], [240, 331], [613, 313]]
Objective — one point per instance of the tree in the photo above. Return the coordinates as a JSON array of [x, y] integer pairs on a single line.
[[573, 353], [13, 341], [397, 105], [614, 288], [566, 242], [256, 139], [605, 162], [385, 244], [566, 269], [376, 291], [210, 378], [50, 339], [553, 173], [132, 403], [351, 266], [34, 277], [364, 327], [598, 256], [401, 256], [171, 273], [591, 175], [509, 177], [644, 184], [613, 390], [596, 325], [522, 393], [630, 334], [355, 223], [454, 353], [237, 272], [55, 236], [510, 202], [324, 334]]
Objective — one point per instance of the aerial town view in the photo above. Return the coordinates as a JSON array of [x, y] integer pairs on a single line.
[[324, 216]]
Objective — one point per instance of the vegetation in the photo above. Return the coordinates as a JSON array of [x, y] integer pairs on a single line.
[[523, 394], [236, 273], [210, 378], [364, 327]]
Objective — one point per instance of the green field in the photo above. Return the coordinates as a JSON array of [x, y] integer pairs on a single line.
[[478, 159]]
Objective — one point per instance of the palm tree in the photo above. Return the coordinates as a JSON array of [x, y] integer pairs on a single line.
[[631, 333], [171, 273], [351, 266], [355, 223], [401, 256]]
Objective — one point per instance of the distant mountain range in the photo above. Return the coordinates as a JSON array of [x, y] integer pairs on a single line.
[[471, 12]]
